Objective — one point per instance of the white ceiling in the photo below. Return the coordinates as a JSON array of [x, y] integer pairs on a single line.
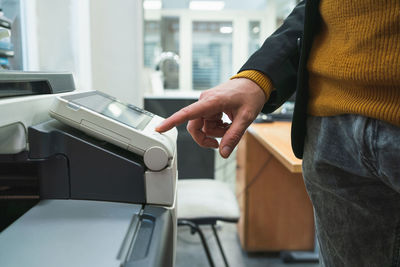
[[283, 6]]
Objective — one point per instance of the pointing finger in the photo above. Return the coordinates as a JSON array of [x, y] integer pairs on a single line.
[[191, 112]]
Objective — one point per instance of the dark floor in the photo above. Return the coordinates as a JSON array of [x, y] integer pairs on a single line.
[[190, 252]]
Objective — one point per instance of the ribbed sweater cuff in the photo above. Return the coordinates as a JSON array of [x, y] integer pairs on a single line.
[[259, 78]]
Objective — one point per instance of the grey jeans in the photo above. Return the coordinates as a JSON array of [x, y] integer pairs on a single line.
[[351, 169]]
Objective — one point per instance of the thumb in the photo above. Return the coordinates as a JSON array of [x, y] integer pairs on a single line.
[[233, 135]]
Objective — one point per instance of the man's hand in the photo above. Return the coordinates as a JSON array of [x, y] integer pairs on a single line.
[[241, 99]]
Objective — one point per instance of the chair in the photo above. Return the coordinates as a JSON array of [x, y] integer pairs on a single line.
[[204, 202]]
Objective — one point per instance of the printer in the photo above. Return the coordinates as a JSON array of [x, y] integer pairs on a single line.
[[91, 203]]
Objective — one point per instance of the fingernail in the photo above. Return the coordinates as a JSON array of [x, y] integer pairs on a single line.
[[158, 127], [226, 150]]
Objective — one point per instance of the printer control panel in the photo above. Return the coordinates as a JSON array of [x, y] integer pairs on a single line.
[[124, 125]]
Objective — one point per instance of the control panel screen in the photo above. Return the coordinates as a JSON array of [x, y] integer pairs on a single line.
[[105, 105]]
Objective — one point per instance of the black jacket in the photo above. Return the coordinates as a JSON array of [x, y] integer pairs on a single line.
[[283, 58]]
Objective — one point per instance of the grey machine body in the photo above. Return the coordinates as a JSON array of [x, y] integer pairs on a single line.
[[88, 213]]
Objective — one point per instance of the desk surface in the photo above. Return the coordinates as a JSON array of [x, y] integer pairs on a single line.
[[275, 137]]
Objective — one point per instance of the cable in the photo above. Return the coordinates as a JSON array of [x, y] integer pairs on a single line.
[[255, 178]]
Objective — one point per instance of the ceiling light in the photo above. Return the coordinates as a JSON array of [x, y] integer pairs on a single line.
[[226, 29], [152, 4], [256, 30], [207, 5]]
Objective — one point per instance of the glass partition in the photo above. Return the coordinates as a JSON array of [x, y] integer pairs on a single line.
[[200, 44], [211, 53], [254, 36]]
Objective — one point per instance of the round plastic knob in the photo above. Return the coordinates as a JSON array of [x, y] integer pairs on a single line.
[[155, 158]]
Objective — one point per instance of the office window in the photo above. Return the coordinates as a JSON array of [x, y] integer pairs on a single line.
[[254, 36], [204, 44], [161, 49], [152, 43], [212, 53], [283, 9]]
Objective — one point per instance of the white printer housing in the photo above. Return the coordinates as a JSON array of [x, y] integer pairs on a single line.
[[71, 226]]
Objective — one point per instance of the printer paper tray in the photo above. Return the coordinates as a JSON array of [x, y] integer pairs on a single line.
[[75, 233]]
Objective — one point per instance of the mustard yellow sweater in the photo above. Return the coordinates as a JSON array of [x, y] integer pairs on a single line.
[[354, 64]]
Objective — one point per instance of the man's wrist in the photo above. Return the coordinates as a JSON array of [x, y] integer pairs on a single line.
[[259, 78]]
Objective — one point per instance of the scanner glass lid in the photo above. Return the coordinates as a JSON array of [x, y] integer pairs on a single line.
[[109, 107]]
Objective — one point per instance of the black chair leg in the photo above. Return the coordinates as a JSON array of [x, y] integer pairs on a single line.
[[219, 245], [195, 228]]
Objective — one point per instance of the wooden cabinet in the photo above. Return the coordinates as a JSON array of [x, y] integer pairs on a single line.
[[276, 213]]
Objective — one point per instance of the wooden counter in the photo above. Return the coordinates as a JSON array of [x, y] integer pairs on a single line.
[[276, 213], [275, 137]]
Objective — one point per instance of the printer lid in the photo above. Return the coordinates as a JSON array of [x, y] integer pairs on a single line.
[[20, 83], [38, 89]]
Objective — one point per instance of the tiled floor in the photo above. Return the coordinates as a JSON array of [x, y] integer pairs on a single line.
[[190, 252]]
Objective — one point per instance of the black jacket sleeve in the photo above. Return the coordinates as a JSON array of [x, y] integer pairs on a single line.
[[278, 58]]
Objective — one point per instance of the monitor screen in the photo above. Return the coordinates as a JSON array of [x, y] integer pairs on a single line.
[[107, 106]]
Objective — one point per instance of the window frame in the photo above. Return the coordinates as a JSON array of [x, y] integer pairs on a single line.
[[240, 35]]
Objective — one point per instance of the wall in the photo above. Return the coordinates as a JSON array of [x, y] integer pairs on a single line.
[[100, 41], [117, 48], [56, 37]]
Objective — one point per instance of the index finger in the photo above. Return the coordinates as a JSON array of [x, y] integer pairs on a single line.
[[191, 112]]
